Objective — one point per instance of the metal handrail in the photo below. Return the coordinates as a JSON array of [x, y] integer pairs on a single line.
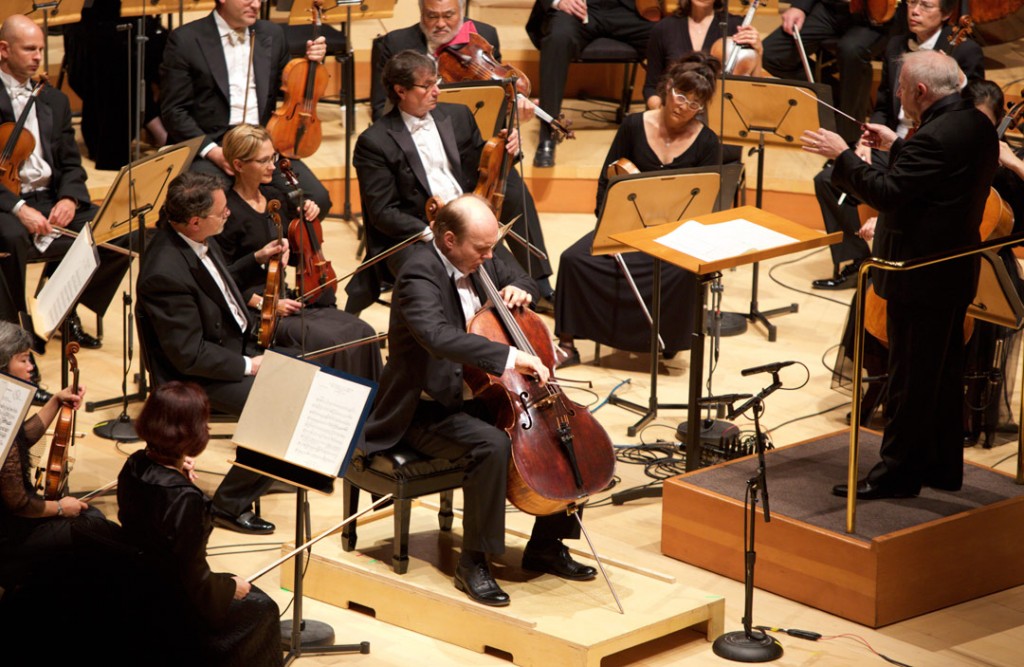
[[858, 357]]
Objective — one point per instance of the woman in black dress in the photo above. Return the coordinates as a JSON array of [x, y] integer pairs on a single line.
[[198, 616], [593, 299], [695, 26], [249, 240]]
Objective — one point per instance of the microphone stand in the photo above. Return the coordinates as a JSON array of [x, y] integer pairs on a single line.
[[746, 645]]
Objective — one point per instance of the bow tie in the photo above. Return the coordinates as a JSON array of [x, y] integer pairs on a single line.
[[21, 92], [417, 124], [238, 37]]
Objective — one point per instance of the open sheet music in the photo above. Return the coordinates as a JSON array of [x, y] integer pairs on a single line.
[[15, 399], [710, 243]]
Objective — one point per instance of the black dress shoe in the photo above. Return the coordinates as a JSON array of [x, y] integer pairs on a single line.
[[544, 305], [246, 522], [476, 581], [566, 356], [78, 334], [41, 398], [545, 156], [557, 562], [867, 490], [845, 279]]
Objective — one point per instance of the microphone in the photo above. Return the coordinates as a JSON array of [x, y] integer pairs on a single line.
[[767, 368], [723, 399]]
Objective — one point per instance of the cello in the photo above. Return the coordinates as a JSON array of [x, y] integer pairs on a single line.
[[561, 455], [58, 461], [272, 288], [295, 128]]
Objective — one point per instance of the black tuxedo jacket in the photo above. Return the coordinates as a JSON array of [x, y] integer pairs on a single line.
[[429, 345], [60, 150], [930, 200], [392, 181], [194, 78], [967, 54], [198, 338], [412, 38]]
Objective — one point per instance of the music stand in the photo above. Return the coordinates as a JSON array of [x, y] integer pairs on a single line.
[[639, 201], [300, 425], [778, 115], [645, 241], [486, 99], [139, 188]]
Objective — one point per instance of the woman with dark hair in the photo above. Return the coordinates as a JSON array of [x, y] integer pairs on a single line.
[[593, 299], [215, 618], [249, 240], [695, 26]]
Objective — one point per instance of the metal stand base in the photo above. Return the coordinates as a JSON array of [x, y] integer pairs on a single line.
[[738, 647], [121, 429], [731, 324]]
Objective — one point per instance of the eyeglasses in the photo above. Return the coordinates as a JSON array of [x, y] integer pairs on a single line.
[[428, 86], [686, 101], [445, 16], [223, 215], [925, 6], [264, 161]]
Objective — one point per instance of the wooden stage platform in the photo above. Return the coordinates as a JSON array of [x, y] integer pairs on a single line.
[[908, 557], [550, 621]]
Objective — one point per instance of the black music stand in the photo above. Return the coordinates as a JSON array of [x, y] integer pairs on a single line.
[[139, 188], [638, 201], [778, 115], [293, 430]]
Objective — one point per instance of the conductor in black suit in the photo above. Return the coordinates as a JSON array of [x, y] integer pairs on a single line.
[[421, 399], [53, 191], [928, 29], [930, 200], [207, 86], [422, 148], [190, 306]]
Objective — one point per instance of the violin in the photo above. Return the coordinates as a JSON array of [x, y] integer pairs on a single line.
[[743, 59], [997, 21], [315, 273], [475, 61], [58, 463], [877, 11], [17, 145], [272, 288], [294, 127], [652, 10]]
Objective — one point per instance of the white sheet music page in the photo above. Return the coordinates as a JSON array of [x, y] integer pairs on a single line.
[[15, 400], [326, 425], [67, 283], [710, 243]]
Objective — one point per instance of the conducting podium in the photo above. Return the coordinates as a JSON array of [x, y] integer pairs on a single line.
[[705, 245]]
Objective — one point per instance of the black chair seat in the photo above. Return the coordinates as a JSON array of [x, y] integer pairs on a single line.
[[606, 49], [407, 475]]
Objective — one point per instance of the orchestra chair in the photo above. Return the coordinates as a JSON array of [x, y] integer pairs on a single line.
[[407, 475], [608, 50]]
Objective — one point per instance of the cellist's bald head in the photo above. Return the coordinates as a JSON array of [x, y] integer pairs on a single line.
[[466, 231], [21, 47]]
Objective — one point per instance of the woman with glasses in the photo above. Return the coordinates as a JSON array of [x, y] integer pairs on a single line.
[[249, 240], [593, 299], [695, 26]]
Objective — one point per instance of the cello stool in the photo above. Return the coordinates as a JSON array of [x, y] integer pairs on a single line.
[[407, 475]]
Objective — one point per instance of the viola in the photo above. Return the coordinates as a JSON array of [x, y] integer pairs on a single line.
[[652, 10], [17, 145], [495, 162], [475, 61], [743, 59], [997, 21], [294, 127], [58, 463], [272, 288], [305, 237]]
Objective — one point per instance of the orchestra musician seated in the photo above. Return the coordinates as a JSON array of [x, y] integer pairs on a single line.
[[205, 617], [694, 26], [422, 400], [249, 240], [419, 149], [594, 301]]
